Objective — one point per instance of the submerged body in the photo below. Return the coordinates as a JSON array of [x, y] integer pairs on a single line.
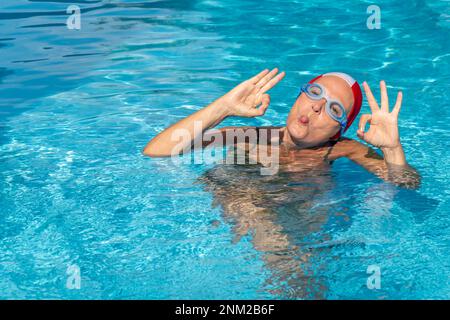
[[275, 210]]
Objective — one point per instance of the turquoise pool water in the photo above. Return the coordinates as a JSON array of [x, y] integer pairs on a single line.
[[77, 107]]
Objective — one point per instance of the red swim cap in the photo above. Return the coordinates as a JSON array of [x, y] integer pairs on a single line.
[[357, 98]]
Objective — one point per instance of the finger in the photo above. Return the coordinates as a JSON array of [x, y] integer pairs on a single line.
[[384, 97], [259, 111], [370, 98], [365, 136], [273, 82], [264, 105], [398, 104], [362, 126], [259, 76], [266, 78], [363, 121]]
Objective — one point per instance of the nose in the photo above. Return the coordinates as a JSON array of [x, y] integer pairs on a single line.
[[317, 107]]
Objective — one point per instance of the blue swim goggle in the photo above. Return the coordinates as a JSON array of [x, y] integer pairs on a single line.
[[334, 108]]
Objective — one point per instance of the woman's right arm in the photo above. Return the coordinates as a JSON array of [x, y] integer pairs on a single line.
[[248, 99]]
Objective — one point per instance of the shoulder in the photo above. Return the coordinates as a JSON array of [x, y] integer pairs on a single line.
[[344, 147], [352, 149]]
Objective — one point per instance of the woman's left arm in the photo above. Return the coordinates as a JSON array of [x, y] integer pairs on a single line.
[[383, 133]]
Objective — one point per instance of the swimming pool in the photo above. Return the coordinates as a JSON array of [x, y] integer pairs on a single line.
[[78, 106]]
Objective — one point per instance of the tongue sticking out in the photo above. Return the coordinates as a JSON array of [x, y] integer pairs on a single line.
[[304, 119]]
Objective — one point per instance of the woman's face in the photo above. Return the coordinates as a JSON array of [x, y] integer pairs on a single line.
[[308, 124]]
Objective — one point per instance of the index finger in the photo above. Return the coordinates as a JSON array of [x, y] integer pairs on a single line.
[[370, 98], [266, 78], [259, 76], [269, 85]]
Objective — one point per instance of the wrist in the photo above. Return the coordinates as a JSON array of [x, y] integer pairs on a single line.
[[394, 155], [221, 108]]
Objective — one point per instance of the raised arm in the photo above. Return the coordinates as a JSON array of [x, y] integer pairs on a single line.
[[383, 133], [248, 99]]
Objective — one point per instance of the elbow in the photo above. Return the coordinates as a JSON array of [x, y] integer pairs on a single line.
[[411, 182], [403, 176], [149, 151], [416, 182], [152, 152], [415, 179], [410, 185]]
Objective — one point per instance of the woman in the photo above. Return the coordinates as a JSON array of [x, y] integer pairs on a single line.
[[323, 111], [281, 211]]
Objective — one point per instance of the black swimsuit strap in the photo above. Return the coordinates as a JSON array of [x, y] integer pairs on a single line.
[[333, 143]]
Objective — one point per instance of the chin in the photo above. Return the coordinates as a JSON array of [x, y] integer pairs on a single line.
[[297, 132], [300, 136]]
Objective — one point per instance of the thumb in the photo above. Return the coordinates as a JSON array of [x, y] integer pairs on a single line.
[[360, 134], [362, 124], [265, 101]]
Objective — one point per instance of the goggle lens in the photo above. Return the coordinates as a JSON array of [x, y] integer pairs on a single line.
[[337, 110], [314, 91]]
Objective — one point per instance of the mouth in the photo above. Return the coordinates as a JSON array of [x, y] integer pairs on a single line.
[[303, 120]]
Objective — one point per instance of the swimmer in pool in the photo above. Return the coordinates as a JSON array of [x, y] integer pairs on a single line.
[[323, 111]]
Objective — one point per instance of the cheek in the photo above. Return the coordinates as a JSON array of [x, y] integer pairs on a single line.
[[293, 114], [302, 104], [325, 123], [291, 122], [324, 128]]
